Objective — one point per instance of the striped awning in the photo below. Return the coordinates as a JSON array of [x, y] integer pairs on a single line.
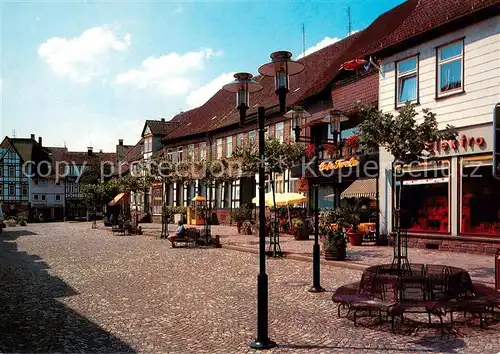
[[361, 188], [118, 198]]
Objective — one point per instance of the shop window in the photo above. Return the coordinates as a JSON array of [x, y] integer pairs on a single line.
[[326, 197], [227, 194], [480, 198], [179, 190], [407, 80], [450, 68], [425, 197]]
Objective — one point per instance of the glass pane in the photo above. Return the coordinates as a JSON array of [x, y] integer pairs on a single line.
[[451, 76], [407, 89], [407, 65], [450, 51], [480, 202]]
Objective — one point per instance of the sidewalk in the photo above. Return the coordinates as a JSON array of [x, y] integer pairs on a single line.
[[481, 268]]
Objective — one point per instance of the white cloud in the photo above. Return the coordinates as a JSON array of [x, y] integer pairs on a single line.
[[325, 42], [179, 9], [79, 58], [202, 94], [170, 74]]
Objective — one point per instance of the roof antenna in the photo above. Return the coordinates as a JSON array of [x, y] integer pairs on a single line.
[[13, 133], [349, 29], [303, 39], [64, 141]]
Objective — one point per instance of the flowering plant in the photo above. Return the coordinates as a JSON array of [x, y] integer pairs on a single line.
[[352, 141], [331, 149], [310, 149]]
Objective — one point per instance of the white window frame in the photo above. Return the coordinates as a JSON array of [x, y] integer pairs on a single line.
[[229, 146], [190, 152], [239, 140], [219, 148], [447, 61], [202, 151], [400, 77], [170, 154], [58, 197], [179, 153], [252, 137], [280, 136]]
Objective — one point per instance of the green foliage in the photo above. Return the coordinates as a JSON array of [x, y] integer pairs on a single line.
[[298, 225], [333, 239], [401, 135], [241, 214], [349, 215], [170, 211]]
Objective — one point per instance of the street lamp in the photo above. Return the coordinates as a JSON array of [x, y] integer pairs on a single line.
[[281, 67], [334, 118]]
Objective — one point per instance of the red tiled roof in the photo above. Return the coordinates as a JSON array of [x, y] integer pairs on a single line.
[[161, 127], [400, 23], [430, 15]]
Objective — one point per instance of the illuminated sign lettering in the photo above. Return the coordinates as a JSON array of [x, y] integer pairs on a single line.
[[340, 163]]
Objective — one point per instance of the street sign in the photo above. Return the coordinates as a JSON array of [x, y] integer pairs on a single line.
[[496, 141]]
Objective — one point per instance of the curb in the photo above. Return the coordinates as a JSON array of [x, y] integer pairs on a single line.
[[297, 257]]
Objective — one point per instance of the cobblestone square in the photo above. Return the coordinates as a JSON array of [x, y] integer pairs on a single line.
[[65, 287]]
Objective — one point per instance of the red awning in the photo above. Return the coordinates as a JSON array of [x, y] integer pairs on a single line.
[[353, 64]]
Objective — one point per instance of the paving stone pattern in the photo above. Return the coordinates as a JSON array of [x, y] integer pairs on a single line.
[[65, 287]]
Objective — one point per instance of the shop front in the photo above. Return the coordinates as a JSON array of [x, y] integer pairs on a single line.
[[453, 202]]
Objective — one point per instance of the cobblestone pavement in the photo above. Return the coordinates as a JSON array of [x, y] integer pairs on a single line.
[[481, 267], [67, 288]]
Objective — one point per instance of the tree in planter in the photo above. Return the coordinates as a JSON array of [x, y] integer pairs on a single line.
[[240, 215], [407, 139]]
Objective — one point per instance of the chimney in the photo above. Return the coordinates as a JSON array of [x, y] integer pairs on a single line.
[[100, 151], [32, 136], [120, 142], [163, 119], [89, 150], [39, 140]]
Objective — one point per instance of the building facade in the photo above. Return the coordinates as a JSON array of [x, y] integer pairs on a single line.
[[453, 202]]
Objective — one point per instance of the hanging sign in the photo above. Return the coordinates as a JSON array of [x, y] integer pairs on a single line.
[[340, 163], [302, 186]]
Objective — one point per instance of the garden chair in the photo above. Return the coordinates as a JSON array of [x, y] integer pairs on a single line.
[[347, 294]]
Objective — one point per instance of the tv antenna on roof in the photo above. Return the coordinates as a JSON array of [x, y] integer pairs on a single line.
[[13, 133], [349, 22], [303, 39]]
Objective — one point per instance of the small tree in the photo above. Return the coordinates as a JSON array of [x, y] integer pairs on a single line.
[[402, 135]]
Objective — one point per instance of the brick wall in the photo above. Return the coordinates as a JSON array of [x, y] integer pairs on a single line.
[[364, 90], [473, 245]]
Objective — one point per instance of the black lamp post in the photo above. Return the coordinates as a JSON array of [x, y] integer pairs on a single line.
[[281, 67], [334, 118]]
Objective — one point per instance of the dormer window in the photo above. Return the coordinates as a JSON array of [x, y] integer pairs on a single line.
[[407, 81]]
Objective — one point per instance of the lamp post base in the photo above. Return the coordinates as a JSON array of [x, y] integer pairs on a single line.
[[263, 344], [314, 289]]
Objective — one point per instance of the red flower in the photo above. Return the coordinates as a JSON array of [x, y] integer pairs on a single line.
[[352, 141], [310, 149]]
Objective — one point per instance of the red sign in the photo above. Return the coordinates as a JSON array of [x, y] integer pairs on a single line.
[[463, 142], [303, 186]]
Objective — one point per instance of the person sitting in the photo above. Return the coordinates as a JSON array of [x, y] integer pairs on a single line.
[[179, 232]]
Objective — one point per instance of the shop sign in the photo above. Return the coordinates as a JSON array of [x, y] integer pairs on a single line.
[[473, 140], [426, 181], [302, 186], [340, 163]]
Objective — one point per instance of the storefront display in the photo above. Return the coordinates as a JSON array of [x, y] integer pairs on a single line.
[[480, 202]]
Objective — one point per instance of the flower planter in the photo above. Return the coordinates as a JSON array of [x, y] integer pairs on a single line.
[[355, 238], [336, 254]]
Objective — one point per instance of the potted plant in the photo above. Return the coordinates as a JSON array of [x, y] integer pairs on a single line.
[[239, 215], [246, 227], [299, 230], [350, 218], [334, 245]]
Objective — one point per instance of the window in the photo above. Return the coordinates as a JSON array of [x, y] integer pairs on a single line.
[[1, 170], [239, 140], [190, 152], [170, 154], [43, 196], [35, 196], [292, 127], [480, 206], [12, 171], [229, 146], [251, 137], [58, 197], [266, 133], [407, 80], [12, 189], [425, 197], [279, 131], [219, 148], [450, 68], [179, 153], [24, 190], [202, 151]]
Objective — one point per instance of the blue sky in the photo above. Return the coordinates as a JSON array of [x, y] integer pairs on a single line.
[[90, 73]]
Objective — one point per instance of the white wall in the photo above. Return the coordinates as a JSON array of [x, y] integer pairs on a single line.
[[474, 107], [482, 76], [50, 190]]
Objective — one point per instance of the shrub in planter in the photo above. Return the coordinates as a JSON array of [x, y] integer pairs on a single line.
[[240, 215], [334, 245], [299, 230], [11, 222], [247, 227]]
